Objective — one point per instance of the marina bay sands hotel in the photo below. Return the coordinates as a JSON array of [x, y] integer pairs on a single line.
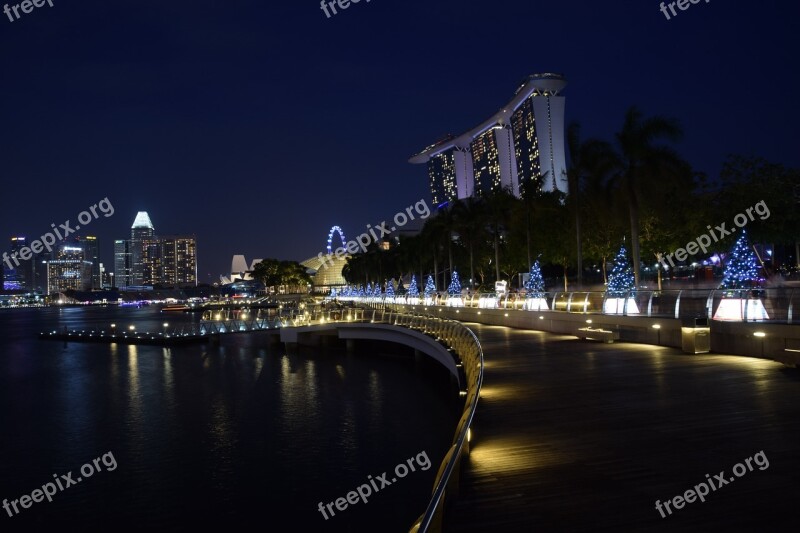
[[522, 143]]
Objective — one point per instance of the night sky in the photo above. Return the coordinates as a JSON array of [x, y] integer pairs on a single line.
[[259, 125]]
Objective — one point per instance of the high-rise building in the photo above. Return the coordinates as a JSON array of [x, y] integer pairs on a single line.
[[122, 264], [141, 231], [179, 260], [18, 273], [69, 270], [521, 144], [150, 259], [91, 248]]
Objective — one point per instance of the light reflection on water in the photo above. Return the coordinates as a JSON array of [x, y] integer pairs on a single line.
[[222, 433]]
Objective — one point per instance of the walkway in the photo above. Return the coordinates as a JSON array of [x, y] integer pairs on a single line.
[[572, 435]]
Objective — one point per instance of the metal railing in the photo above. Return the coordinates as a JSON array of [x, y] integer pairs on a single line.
[[777, 305]]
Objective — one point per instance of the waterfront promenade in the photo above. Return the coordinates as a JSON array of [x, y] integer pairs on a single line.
[[573, 435]]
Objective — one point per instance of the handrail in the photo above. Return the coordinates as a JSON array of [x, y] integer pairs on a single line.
[[457, 449], [648, 302]]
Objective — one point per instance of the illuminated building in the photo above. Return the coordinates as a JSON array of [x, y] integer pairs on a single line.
[[20, 277], [522, 143], [122, 264], [149, 259], [69, 270], [141, 231], [91, 248]]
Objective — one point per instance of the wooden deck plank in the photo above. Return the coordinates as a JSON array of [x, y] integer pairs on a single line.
[[573, 435]]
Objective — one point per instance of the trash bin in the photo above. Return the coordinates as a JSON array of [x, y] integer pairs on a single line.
[[696, 335]]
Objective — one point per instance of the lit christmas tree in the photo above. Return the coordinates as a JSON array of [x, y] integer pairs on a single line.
[[413, 290], [377, 290], [368, 291], [534, 287], [620, 281], [333, 292], [454, 289], [361, 292], [389, 288], [741, 269], [430, 287]]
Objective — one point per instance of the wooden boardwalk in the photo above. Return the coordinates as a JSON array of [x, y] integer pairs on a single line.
[[573, 435]]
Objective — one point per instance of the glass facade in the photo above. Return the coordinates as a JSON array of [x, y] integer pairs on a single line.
[[526, 145], [486, 163], [122, 264], [442, 177]]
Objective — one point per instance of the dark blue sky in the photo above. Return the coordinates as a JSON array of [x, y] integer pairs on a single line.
[[259, 125]]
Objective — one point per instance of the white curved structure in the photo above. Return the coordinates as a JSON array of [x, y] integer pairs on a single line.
[[522, 142]]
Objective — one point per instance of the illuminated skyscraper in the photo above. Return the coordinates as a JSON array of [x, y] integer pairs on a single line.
[[141, 231], [69, 269], [522, 143], [150, 259], [122, 264]]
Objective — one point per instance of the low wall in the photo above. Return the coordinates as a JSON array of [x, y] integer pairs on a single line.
[[780, 342]]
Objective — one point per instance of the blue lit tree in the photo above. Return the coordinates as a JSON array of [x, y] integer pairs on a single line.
[[620, 281], [361, 292], [430, 287], [413, 290], [534, 287], [368, 290], [454, 289], [376, 291], [741, 268], [333, 292], [389, 288]]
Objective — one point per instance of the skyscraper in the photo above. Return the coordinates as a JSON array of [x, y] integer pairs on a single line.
[[141, 231], [523, 143], [122, 264], [150, 259], [69, 269], [91, 248]]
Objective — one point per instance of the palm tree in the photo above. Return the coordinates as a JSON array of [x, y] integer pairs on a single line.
[[498, 204], [469, 217], [638, 163]]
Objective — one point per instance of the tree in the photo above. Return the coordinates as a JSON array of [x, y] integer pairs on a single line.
[[454, 289], [389, 288], [640, 166], [741, 268], [430, 287], [273, 273], [498, 204], [534, 287], [470, 223], [413, 290], [621, 280]]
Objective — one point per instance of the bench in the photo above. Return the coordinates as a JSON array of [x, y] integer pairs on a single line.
[[598, 334]]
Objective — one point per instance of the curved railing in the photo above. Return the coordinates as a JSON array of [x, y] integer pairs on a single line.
[[467, 349], [778, 305]]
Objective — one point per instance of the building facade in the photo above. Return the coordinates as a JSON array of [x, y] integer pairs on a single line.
[[69, 269], [149, 259], [521, 145]]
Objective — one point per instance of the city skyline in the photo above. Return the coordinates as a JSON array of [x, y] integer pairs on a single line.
[[231, 135]]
